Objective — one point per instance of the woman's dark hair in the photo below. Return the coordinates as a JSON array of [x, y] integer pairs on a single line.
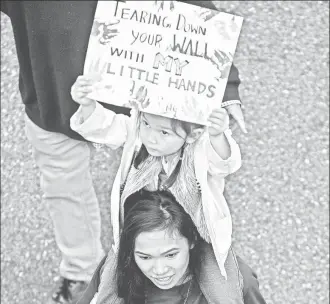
[[150, 211]]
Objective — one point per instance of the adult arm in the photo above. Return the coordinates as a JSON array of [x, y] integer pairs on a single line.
[[102, 288], [93, 285]]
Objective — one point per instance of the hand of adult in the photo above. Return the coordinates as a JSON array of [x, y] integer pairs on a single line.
[[235, 111]]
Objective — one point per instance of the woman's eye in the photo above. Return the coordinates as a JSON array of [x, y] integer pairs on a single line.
[[144, 258], [172, 255], [165, 133]]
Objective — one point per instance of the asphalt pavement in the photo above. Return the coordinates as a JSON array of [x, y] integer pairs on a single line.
[[279, 198]]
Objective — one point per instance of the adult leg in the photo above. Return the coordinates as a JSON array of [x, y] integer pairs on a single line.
[[103, 287], [69, 195]]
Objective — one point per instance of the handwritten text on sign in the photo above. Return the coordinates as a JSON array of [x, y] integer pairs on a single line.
[[178, 55]]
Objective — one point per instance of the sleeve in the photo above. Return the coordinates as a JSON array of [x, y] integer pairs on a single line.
[[219, 166], [107, 289], [231, 91], [103, 126], [93, 285]]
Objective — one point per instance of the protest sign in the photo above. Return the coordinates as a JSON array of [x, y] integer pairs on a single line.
[[168, 58]]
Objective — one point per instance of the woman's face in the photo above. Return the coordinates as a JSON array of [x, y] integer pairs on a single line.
[[162, 257]]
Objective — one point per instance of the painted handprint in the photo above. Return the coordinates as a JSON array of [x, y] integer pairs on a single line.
[[160, 5], [193, 105], [171, 110], [141, 99], [105, 30], [222, 62], [206, 14]]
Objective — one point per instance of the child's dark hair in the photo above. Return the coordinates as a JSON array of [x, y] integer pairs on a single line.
[[143, 154], [151, 211]]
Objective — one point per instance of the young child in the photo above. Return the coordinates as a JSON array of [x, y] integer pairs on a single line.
[[188, 160]]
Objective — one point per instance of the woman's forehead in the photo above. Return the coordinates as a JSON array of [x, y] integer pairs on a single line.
[[157, 242]]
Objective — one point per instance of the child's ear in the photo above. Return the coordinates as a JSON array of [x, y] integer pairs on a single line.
[[194, 135]]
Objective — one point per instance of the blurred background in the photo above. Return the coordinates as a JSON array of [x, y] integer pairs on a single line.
[[279, 198]]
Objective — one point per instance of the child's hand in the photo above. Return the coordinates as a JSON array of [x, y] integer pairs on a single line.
[[82, 87], [218, 122]]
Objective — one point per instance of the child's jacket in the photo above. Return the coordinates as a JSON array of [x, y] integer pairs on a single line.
[[117, 130]]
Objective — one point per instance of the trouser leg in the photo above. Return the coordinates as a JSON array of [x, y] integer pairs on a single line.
[[69, 195]]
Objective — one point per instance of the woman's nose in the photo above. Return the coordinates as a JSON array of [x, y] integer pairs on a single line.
[[159, 268]]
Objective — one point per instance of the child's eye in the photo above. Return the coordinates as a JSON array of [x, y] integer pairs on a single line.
[[165, 133], [172, 255], [145, 123]]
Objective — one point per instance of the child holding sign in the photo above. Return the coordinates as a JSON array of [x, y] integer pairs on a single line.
[[189, 160]]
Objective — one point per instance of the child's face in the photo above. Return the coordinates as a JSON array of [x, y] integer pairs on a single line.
[[158, 136]]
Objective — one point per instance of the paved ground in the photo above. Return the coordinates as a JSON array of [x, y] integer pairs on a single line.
[[279, 199]]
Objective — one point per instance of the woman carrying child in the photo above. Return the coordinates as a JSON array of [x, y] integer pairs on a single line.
[[189, 160]]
